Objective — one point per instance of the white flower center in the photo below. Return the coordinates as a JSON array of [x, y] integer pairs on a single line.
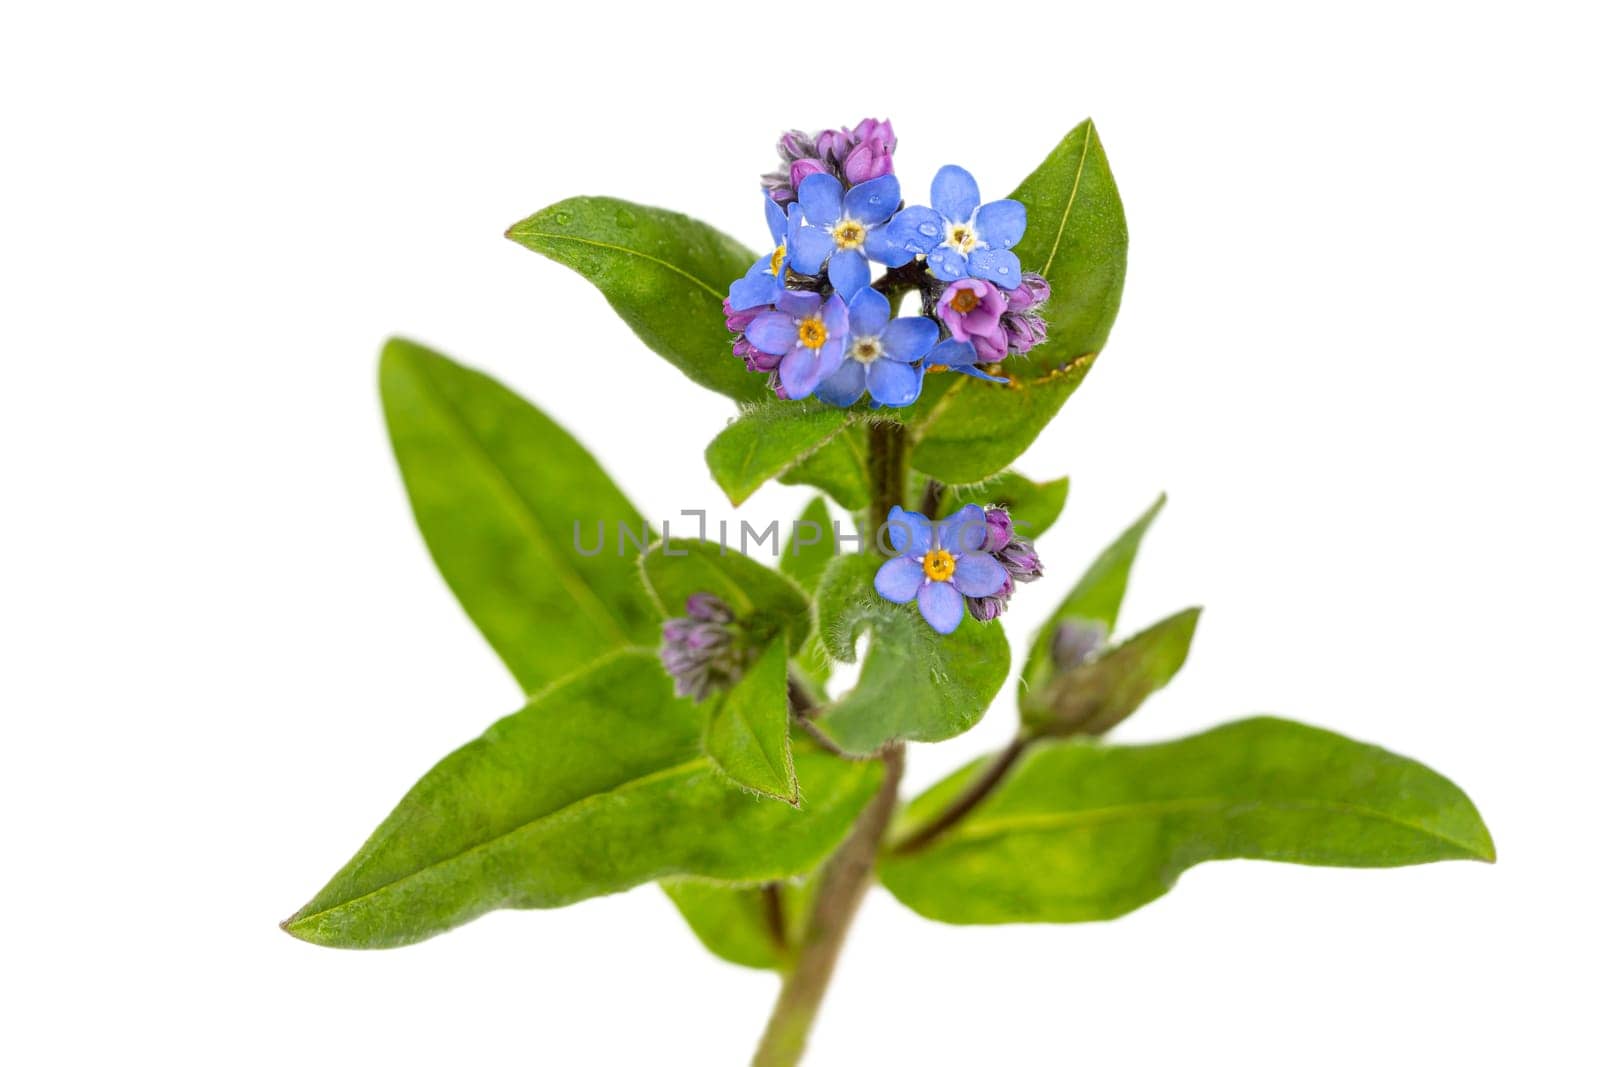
[[865, 349], [962, 236]]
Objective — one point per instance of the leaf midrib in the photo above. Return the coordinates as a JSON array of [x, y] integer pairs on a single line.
[[979, 829], [592, 243], [1072, 198], [582, 592]]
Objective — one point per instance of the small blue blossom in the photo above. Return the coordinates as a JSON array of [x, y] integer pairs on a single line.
[[939, 565], [960, 356], [763, 282], [878, 355], [842, 230], [960, 238], [808, 333]]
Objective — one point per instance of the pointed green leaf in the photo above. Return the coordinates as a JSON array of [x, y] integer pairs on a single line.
[[767, 440], [1034, 506], [1081, 831], [764, 600], [915, 684], [747, 732], [974, 429], [503, 497], [1096, 598], [1094, 697], [598, 785], [838, 468], [1077, 238], [664, 273]]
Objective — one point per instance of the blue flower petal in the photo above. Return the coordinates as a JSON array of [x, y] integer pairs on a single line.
[[777, 220], [996, 265], [953, 353], [955, 194], [872, 202], [1002, 223], [899, 579], [798, 304], [882, 247], [772, 332], [978, 574], [836, 317], [800, 372], [917, 229], [947, 264], [845, 386], [906, 339], [911, 534], [974, 372], [849, 274], [821, 199], [964, 531], [757, 287], [893, 385], [942, 606], [869, 313], [809, 247]]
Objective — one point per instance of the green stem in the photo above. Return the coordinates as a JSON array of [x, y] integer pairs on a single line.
[[844, 882], [844, 878]]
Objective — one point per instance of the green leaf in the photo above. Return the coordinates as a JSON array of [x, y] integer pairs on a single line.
[[1094, 697], [915, 684], [838, 468], [767, 440], [806, 558], [1077, 238], [1034, 506], [974, 429], [747, 728], [598, 785], [503, 497], [1081, 831], [1096, 598], [764, 600], [753, 926], [805, 562], [664, 273]]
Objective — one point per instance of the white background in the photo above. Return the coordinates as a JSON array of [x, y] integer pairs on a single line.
[[1357, 348]]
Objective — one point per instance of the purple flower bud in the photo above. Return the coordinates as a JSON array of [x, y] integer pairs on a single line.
[[1023, 324], [796, 145], [833, 146], [1075, 643], [702, 650], [707, 608], [1020, 560], [801, 169], [872, 154], [989, 608], [999, 533], [739, 321]]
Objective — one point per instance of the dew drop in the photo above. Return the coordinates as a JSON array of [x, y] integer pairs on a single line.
[[625, 219], [928, 229], [562, 218]]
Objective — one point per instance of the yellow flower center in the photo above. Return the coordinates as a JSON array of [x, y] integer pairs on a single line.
[[964, 238], [939, 565], [812, 333], [964, 301], [776, 266], [849, 234]]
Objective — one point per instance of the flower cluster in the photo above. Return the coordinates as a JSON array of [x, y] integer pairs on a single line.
[[966, 563], [810, 314], [703, 650]]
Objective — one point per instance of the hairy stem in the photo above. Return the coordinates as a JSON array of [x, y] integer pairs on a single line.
[[970, 797], [844, 881], [886, 464]]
